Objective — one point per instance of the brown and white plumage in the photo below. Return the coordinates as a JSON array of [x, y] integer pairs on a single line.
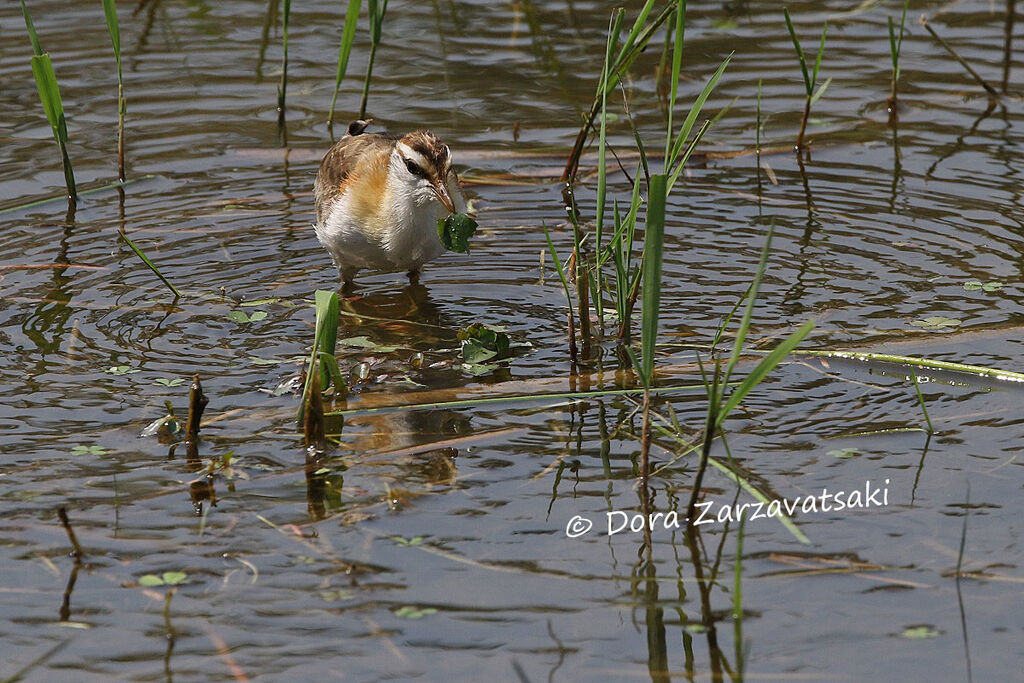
[[379, 197]]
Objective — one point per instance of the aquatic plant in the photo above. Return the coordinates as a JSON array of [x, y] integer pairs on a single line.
[[810, 79], [282, 87], [376, 10], [348, 35], [323, 363], [110, 12], [895, 46], [49, 95]]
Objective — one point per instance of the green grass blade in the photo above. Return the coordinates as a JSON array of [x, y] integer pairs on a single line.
[[149, 264], [686, 155], [821, 53], [892, 46], [799, 51], [348, 36], [30, 25], [614, 27], [748, 313], [558, 266], [698, 104], [654, 238], [329, 363], [677, 65], [634, 33], [821, 90], [757, 494], [920, 400], [49, 93], [110, 12], [767, 364], [325, 338]]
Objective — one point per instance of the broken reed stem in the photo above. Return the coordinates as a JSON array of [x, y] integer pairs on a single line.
[[196, 405], [992, 92], [76, 552]]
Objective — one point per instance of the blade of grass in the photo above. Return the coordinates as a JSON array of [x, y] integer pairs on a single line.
[[677, 65], [654, 237], [920, 400], [49, 97], [110, 12], [325, 339], [748, 313], [377, 10], [767, 364], [348, 35], [149, 264]]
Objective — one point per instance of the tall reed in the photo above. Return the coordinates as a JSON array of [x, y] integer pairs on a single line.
[[49, 96], [895, 46], [348, 35], [282, 87], [376, 9], [110, 12], [810, 79]]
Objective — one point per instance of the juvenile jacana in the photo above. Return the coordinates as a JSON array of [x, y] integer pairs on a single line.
[[379, 198]]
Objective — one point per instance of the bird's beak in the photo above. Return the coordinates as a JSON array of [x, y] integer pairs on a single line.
[[441, 190]]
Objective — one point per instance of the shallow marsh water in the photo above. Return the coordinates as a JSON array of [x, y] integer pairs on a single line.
[[436, 545]]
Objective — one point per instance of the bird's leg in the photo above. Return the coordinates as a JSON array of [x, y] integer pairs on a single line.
[[414, 276]]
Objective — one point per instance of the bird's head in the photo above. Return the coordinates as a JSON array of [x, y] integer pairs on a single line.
[[422, 166]]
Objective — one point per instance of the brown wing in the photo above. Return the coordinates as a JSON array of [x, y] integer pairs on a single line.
[[341, 162]]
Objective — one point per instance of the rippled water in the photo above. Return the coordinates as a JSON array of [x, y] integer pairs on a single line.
[[435, 546]]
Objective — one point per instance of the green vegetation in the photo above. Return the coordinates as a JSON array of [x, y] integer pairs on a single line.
[[49, 95], [814, 92], [348, 36]]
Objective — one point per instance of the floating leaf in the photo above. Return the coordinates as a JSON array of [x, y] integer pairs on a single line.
[[150, 580], [336, 595], [844, 452], [974, 285], [120, 370], [935, 322], [412, 612], [174, 382], [260, 302], [414, 541], [238, 316], [920, 633], [174, 578], [455, 231], [368, 344], [481, 343], [88, 450]]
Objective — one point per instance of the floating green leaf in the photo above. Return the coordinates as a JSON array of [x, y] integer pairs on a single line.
[[920, 633], [88, 450], [844, 452], [120, 370], [174, 382], [242, 318], [455, 231], [412, 612], [368, 344], [481, 343], [165, 579], [974, 285], [936, 322]]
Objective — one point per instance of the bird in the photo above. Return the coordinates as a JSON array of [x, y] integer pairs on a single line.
[[379, 198]]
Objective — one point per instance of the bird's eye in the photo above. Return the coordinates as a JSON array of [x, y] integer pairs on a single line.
[[414, 169]]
